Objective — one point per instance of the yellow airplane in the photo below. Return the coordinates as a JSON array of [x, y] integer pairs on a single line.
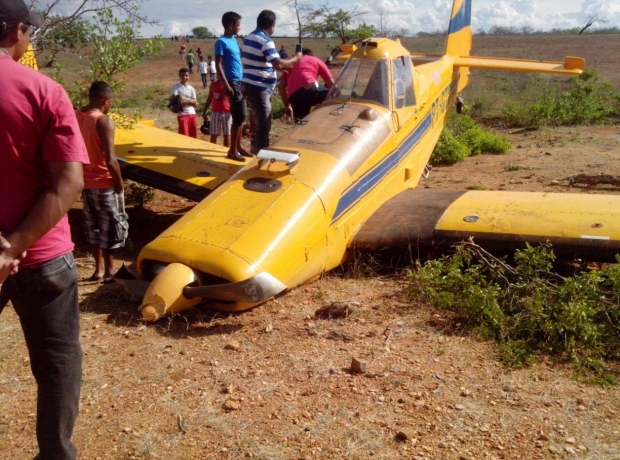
[[342, 178]]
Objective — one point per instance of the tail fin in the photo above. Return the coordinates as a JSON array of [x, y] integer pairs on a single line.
[[29, 59], [459, 31], [458, 43]]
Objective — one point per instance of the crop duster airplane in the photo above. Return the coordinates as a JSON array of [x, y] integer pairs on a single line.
[[343, 178]]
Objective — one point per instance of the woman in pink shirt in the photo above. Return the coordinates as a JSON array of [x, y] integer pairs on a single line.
[[299, 88]]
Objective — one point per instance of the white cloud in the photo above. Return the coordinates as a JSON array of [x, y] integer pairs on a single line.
[[414, 15]]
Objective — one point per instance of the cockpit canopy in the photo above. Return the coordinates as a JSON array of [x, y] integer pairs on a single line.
[[379, 71]]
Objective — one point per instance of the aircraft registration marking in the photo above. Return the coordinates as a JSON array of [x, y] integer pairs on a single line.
[[440, 105]]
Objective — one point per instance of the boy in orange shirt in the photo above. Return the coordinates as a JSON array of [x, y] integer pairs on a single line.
[[221, 119], [103, 194]]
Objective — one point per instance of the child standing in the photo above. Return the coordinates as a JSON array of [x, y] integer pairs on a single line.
[[187, 96], [221, 120], [212, 72], [204, 69]]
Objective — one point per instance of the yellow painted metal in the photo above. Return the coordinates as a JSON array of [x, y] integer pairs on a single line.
[[380, 49], [306, 222], [174, 155], [29, 59], [541, 214], [303, 229], [165, 294], [571, 66]]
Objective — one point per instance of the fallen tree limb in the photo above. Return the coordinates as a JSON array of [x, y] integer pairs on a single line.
[[594, 180]]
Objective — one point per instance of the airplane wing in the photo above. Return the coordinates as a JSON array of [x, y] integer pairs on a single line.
[[168, 161], [577, 225]]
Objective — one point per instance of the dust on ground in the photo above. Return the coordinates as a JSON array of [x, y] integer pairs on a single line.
[[276, 382]]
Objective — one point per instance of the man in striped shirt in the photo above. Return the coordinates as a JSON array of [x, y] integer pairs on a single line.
[[261, 59]]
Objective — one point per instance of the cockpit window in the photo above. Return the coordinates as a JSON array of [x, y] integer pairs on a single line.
[[362, 79], [404, 95]]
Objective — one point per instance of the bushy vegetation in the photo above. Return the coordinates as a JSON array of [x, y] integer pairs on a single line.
[[526, 308], [138, 195], [463, 137], [114, 50], [587, 100], [277, 107]]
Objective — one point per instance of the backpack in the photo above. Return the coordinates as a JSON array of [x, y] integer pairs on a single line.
[[174, 104]]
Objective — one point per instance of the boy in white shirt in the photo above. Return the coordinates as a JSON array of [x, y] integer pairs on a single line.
[[204, 69], [212, 71], [187, 95]]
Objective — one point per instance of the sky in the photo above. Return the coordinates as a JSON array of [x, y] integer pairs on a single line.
[[180, 17]]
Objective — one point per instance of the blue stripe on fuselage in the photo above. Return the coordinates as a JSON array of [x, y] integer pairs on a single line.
[[461, 19], [367, 182]]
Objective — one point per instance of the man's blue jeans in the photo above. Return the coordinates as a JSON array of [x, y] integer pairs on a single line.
[[259, 103], [46, 301]]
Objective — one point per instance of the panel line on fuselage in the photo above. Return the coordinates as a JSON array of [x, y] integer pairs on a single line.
[[369, 180]]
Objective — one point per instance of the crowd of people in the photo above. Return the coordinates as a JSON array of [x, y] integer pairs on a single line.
[[247, 76], [52, 154]]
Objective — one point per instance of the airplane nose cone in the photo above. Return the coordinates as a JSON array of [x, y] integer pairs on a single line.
[[165, 294]]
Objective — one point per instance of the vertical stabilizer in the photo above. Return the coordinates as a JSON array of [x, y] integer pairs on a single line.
[[459, 36]]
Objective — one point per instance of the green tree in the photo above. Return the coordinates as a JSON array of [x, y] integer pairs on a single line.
[[62, 37], [304, 13], [60, 31], [361, 32], [341, 24], [201, 32], [115, 49]]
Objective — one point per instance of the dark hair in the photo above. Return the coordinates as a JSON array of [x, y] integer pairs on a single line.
[[230, 19], [5, 33], [265, 19], [183, 70], [307, 52], [99, 90]]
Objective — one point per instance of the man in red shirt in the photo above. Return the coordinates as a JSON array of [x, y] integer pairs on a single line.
[[41, 176], [299, 88], [103, 197]]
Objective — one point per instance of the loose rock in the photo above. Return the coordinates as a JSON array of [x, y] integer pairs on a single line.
[[231, 405], [358, 366], [233, 345], [336, 310], [406, 433]]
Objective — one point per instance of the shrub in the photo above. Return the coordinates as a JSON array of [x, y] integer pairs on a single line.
[[527, 308], [494, 145], [277, 107], [138, 195], [463, 137], [586, 101], [449, 150]]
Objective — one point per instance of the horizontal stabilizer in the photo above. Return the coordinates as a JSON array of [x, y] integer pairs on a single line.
[[570, 66], [577, 225]]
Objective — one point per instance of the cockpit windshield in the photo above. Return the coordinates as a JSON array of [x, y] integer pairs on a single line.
[[364, 80]]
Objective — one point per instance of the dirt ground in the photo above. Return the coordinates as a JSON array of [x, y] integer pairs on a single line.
[[276, 382]]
